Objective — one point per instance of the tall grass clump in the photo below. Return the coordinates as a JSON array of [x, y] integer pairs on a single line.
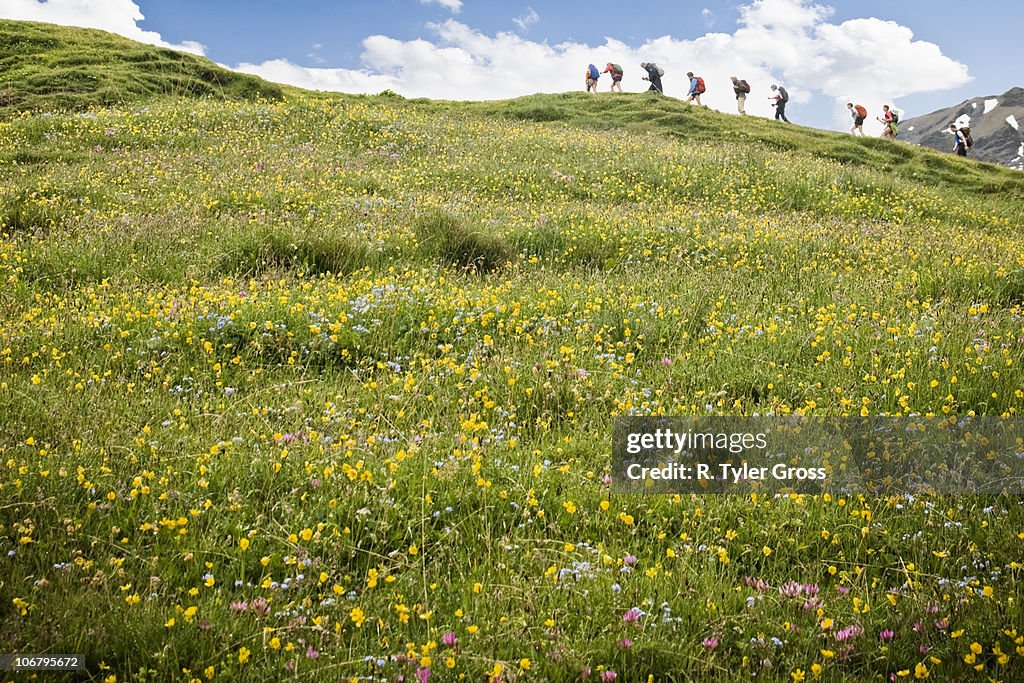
[[564, 247], [275, 249], [31, 211], [448, 239]]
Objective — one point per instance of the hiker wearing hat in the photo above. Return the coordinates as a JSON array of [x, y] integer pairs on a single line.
[[859, 113], [616, 71], [654, 74], [781, 97], [742, 89]]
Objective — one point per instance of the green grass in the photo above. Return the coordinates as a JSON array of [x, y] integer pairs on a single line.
[[47, 68], [671, 118], [446, 237], [259, 251], [292, 387]]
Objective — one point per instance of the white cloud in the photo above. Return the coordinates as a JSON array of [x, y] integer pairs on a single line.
[[783, 15], [708, 16], [454, 6], [314, 54], [527, 20], [319, 78], [116, 16], [869, 61]]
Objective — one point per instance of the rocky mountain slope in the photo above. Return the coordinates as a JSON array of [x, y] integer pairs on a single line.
[[995, 126]]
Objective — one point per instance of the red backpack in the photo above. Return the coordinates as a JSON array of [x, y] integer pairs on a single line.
[[861, 111], [700, 85]]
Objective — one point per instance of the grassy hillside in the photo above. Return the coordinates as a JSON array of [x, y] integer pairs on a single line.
[[323, 389], [667, 117], [46, 67]]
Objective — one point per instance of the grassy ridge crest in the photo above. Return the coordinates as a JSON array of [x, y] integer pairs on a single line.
[[47, 67], [647, 113]]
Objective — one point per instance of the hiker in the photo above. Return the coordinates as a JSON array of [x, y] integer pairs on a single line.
[[696, 88], [965, 130], [959, 141], [616, 71], [859, 113], [889, 119], [742, 89], [780, 97], [592, 75], [654, 74]]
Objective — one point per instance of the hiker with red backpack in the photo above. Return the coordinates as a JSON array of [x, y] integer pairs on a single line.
[[742, 89], [697, 88], [616, 71], [591, 77], [781, 97], [859, 113]]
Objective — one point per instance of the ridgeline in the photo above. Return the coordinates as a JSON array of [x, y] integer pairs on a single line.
[[672, 118], [44, 67]]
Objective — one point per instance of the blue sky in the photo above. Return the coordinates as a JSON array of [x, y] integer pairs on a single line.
[[484, 52]]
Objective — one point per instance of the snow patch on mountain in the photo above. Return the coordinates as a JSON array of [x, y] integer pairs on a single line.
[[1012, 120], [991, 104]]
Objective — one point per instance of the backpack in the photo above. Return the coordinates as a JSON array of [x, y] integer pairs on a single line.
[[594, 73], [895, 116], [700, 85], [616, 70], [968, 140], [861, 111], [785, 95], [744, 86], [659, 70]]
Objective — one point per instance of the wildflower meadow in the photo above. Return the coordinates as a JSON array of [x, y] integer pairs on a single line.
[[323, 389]]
